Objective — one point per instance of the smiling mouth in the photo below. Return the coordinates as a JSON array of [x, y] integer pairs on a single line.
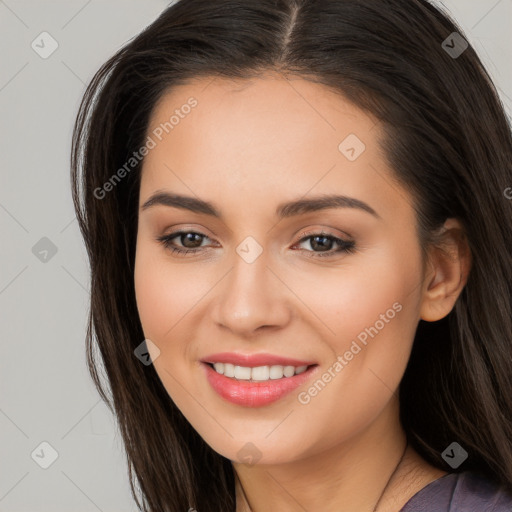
[[242, 389], [258, 373]]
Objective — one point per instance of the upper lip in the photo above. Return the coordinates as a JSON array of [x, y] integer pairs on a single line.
[[254, 360]]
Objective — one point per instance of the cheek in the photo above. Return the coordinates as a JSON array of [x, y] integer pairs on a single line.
[[152, 295], [374, 313], [169, 305], [364, 291], [164, 293], [370, 354]]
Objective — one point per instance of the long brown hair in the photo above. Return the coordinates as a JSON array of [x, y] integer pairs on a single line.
[[448, 142]]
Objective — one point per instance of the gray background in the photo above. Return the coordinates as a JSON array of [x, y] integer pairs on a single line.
[[46, 392]]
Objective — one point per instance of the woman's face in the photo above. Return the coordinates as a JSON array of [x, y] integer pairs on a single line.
[[272, 281]]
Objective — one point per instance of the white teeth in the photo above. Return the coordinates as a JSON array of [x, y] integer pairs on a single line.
[[219, 368], [242, 373], [258, 373], [229, 370], [289, 371], [276, 372]]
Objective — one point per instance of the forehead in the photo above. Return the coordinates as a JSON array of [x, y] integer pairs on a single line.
[[263, 104], [261, 140]]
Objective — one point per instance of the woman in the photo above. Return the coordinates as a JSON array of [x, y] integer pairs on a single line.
[[299, 235]]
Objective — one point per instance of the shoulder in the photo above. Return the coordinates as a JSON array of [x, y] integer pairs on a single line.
[[461, 492]]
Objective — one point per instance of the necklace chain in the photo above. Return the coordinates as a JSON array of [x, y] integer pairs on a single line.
[[391, 477], [381, 494]]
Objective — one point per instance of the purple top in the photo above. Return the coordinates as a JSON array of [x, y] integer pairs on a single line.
[[460, 492]]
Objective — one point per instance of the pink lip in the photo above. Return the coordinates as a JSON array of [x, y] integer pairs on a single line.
[[251, 393], [254, 360]]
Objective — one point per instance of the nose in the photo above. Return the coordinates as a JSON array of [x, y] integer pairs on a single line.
[[252, 298]]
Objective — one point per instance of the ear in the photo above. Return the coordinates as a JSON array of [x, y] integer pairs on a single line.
[[448, 267]]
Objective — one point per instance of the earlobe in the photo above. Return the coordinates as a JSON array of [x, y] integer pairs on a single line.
[[449, 264]]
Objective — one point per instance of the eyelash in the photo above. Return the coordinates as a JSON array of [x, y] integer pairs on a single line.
[[345, 246]]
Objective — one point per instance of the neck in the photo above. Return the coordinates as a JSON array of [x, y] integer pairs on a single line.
[[349, 476]]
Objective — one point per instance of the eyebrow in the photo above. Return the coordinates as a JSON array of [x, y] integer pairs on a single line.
[[284, 210]]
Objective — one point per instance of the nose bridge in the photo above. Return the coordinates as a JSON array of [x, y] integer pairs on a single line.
[[251, 296]]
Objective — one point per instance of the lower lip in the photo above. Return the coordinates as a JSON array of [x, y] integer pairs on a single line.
[[254, 394]]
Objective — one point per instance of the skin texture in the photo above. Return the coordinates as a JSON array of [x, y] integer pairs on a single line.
[[246, 147]]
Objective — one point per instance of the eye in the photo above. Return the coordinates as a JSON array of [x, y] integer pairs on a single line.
[[324, 242], [191, 241]]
